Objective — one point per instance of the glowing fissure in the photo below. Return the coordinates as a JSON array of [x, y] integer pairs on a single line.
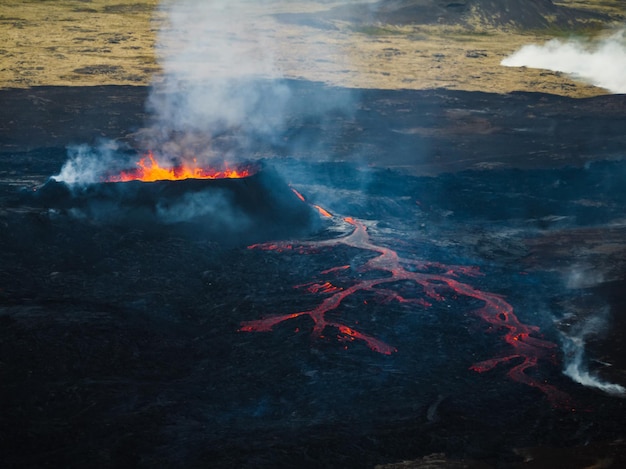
[[323, 212], [300, 196], [149, 170], [526, 349]]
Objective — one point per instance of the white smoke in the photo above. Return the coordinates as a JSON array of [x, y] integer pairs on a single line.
[[601, 63], [222, 96], [582, 276], [89, 165], [575, 362], [219, 76]]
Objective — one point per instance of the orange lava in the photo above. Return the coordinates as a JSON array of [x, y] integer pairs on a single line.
[[300, 196], [149, 170], [323, 211]]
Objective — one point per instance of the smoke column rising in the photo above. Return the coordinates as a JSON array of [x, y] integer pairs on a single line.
[[574, 350], [601, 63], [88, 165], [222, 95], [219, 76]]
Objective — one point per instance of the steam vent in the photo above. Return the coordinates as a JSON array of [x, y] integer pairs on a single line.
[[347, 234]]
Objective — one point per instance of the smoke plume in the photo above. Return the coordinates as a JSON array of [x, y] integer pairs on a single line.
[[220, 84], [89, 165], [219, 89], [221, 96], [601, 63], [574, 349]]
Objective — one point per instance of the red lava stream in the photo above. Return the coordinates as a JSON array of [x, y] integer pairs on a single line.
[[526, 351]]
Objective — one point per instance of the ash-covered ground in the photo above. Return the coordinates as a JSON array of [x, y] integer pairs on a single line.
[[121, 343]]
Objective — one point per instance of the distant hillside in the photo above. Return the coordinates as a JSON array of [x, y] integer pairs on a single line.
[[527, 14], [522, 14]]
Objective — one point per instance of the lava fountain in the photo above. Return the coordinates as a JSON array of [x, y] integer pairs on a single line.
[[149, 170], [435, 280]]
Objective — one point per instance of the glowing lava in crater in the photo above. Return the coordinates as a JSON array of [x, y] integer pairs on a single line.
[[435, 279], [149, 170]]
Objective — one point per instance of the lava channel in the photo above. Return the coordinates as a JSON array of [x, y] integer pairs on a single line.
[[526, 351]]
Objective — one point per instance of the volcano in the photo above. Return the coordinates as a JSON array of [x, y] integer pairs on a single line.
[[249, 202]]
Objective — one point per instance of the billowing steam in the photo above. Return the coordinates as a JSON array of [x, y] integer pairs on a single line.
[[601, 63], [89, 165], [574, 350], [222, 94], [218, 89], [220, 80]]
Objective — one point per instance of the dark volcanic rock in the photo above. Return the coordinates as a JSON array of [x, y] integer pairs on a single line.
[[428, 131], [55, 116], [120, 344], [120, 347]]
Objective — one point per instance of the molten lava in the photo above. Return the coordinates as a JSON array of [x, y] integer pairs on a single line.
[[435, 279], [149, 170]]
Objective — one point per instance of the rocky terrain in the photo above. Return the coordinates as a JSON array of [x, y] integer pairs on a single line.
[[122, 345]]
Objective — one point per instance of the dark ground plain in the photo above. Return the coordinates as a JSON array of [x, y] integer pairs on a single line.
[[120, 344]]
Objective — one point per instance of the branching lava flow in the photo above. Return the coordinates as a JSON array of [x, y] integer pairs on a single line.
[[435, 279]]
